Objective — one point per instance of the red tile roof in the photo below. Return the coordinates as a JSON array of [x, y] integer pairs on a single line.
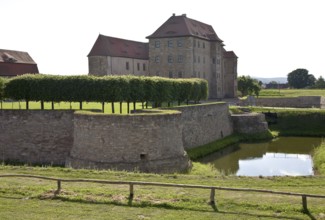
[[13, 56], [180, 26], [116, 47], [13, 63], [229, 54]]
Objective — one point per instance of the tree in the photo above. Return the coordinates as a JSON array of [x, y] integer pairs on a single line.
[[248, 86], [300, 78], [320, 83]]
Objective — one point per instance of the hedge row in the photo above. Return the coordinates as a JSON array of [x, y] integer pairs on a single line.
[[104, 89], [2, 85]]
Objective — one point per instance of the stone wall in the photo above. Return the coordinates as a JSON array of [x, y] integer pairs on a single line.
[[202, 124], [36, 137], [144, 142], [294, 102], [249, 123]]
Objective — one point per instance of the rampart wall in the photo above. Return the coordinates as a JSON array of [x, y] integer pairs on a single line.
[[144, 142], [202, 124], [152, 142], [293, 102], [36, 137]]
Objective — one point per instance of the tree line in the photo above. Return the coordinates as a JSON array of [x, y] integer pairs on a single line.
[[300, 78], [130, 89]]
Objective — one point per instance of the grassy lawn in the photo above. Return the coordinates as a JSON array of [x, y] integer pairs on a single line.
[[22, 198], [291, 92], [74, 106]]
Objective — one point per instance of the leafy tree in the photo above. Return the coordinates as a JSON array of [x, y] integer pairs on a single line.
[[300, 78], [248, 86], [320, 83]]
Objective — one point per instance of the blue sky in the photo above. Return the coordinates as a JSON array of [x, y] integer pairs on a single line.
[[270, 37]]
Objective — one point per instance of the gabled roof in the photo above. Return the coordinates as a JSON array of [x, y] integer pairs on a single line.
[[12, 56], [229, 54], [116, 47], [181, 26]]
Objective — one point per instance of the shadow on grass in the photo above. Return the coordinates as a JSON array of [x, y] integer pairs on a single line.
[[145, 204]]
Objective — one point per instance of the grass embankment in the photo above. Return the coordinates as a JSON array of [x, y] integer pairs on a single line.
[[284, 93], [297, 122], [319, 159], [201, 151], [23, 198]]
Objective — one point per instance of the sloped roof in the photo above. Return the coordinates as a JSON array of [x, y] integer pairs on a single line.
[[12, 56], [229, 54], [116, 47], [180, 26]]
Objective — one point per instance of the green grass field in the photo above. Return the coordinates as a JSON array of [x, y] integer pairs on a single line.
[[22, 198], [291, 92], [73, 106]]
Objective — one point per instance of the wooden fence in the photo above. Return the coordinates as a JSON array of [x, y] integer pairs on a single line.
[[133, 183]]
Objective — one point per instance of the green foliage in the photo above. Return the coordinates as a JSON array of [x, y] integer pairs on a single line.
[[319, 159], [320, 83], [104, 89], [300, 78], [2, 87], [248, 86]]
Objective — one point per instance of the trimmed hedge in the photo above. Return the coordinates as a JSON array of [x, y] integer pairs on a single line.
[[2, 87], [104, 89]]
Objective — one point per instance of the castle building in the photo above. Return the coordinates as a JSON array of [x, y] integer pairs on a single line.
[[180, 48]]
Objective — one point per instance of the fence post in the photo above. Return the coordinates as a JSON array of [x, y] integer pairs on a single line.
[[304, 203], [59, 187], [212, 193], [131, 191]]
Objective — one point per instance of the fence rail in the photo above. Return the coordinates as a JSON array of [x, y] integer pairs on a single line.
[[133, 183]]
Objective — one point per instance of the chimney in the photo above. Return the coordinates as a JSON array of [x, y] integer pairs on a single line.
[[184, 15], [173, 14]]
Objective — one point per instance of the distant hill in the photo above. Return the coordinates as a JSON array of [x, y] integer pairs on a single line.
[[276, 79]]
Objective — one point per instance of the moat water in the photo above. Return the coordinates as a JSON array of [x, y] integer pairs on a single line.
[[284, 156]]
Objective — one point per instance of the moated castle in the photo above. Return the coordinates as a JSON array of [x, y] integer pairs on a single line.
[[180, 48]]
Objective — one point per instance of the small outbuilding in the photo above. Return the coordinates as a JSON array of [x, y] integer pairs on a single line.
[[15, 63]]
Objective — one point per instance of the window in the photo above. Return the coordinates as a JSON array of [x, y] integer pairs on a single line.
[[179, 43], [170, 58], [157, 73], [198, 44], [127, 66], [180, 74], [199, 74], [198, 59], [204, 75], [194, 43], [180, 59], [170, 74], [170, 43], [157, 59], [157, 44], [213, 60], [138, 66], [203, 59], [194, 74], [203, 45], [144, 67]]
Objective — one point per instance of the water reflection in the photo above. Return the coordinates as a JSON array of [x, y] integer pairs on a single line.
[[282, 156]]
